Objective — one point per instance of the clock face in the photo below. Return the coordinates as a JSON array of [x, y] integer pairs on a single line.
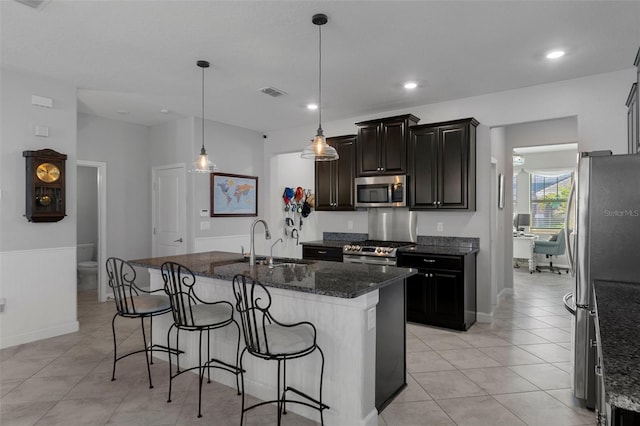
[[48, 172]]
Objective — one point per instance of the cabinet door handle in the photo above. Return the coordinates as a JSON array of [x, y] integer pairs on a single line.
[[322, 252], [435, 203], [429, 260], [178, 240], [598, 371], [439, 203], [428, 275]]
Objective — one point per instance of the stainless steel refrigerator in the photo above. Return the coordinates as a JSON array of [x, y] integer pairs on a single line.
[[603, 225]]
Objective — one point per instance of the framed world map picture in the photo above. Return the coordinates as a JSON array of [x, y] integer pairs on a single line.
[[233, 195]]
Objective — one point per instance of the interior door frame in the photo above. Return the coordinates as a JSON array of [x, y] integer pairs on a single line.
[[154, 202], [101, 170]]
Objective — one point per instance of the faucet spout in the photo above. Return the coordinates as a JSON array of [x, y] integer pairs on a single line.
[[279, 240], [267, 236]]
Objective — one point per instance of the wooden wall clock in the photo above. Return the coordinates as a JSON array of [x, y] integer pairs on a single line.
[[45, 189]]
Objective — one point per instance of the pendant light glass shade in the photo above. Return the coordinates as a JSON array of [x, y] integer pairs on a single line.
[[202, 163], [319, 150]]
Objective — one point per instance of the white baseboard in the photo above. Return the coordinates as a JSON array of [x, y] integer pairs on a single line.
[[484, 317], [45, 333], [506, 292]]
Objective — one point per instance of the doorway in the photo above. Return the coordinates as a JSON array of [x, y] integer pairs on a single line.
[[92, 215]]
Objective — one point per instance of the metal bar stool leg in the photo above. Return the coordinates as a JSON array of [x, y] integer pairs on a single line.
[[200, 374], [115, 355], [146, 351], [169, 353], [237, 360], [321, 380], [151, 338], [208, 356], [242, 382]]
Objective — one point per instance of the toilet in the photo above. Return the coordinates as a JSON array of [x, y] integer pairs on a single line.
[[87, 267]]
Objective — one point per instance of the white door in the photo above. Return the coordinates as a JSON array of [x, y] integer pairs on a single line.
[[170, 210]]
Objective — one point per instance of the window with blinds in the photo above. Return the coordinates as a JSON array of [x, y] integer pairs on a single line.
[[549, 197]]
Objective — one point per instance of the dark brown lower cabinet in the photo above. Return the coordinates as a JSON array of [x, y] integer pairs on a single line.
[[443, 293]]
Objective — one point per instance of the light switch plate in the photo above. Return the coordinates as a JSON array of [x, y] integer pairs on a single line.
[[204, 212], [41, 101], [39, 130]]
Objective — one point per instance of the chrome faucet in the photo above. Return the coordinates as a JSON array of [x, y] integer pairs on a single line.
[[267, 236], [295, 231], [279, 240]]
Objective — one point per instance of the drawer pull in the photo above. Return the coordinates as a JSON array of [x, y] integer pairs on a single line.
[[322, 252], [429, 260]]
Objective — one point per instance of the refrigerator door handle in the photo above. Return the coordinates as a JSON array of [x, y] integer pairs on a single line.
[[569, 236], [567, 299]]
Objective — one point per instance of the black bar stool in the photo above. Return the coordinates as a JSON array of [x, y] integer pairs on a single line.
[[190, 313], [134, 302], [269, 339]]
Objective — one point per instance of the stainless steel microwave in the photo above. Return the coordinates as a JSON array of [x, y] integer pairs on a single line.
[[381, 191]]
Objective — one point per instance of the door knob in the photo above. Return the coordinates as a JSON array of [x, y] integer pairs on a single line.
[[178, 241]]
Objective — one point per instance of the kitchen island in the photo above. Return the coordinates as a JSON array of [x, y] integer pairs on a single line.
[[351, 306]]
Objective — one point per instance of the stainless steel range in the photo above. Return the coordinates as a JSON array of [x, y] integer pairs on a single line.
[[373, 252], [389, 229]]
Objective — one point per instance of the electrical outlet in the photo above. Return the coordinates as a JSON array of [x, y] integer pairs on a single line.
[[440, 227], [205, 226], [349, 224]]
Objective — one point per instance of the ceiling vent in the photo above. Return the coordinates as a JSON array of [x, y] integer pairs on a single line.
[[32, 3], [272, 91]]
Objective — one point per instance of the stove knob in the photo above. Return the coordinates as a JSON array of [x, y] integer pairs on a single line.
[[356, 248], [379, 250]]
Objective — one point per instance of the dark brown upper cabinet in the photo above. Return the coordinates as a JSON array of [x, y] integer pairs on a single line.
[[442, 165], [382, 145], [335, 179]]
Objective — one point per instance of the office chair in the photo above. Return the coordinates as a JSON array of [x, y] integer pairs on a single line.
[[553, 247]]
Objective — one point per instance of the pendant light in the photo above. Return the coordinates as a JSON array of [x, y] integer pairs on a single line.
[[319, 150], [202, 163]]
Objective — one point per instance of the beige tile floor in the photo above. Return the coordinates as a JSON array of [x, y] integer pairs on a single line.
[[514, 371]]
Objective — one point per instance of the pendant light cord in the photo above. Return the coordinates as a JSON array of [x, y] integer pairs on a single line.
[[202, 109], [320, 77]]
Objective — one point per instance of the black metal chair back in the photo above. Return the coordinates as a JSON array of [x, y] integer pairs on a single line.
[[179, 284], [122, 278], [134, 302], [252, 303]]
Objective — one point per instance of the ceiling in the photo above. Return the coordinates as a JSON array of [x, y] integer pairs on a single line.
[[140, 56]]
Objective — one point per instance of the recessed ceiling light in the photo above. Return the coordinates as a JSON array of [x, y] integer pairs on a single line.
[[410, 85], [122, 111], [164, 111], [312, 106], [555, 54]]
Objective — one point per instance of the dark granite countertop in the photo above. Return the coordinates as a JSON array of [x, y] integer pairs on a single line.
[[326, 243], [429, 249], [319, 277], [618, 306], [457, 246]]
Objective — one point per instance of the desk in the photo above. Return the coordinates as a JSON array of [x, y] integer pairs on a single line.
[[523, 249]]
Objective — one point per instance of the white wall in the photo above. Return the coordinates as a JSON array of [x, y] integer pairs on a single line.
[[597, 102], [87, 206], [37, 260], [234, 150], [499, 259], [124, 147]]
